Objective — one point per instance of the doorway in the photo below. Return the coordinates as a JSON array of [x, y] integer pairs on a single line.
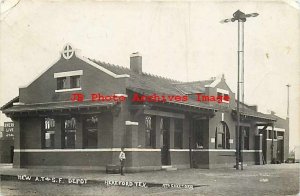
[[165, 141], [280, 147]]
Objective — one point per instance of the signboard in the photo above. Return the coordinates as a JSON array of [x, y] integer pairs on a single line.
[[8, 132]]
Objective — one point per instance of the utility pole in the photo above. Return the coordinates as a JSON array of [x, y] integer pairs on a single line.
[[241, 18], [288, 101]]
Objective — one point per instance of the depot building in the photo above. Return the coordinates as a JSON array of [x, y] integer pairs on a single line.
[[53, 130]]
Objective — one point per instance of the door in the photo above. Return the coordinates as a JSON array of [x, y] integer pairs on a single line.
[[165, 141], [280, 149]]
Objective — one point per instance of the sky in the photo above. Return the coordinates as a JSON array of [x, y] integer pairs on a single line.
[[180, 40]]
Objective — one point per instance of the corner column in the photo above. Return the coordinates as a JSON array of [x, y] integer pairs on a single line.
[[185, 137], [118, 130], [79, 133], [258, 146], [58, 137], [131, 142], [17, 143], [158, 143], [172, 132]]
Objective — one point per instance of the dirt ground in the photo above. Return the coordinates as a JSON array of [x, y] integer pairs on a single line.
[[282, 179]]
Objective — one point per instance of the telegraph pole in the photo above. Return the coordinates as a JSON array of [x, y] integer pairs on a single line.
[[241, 18]]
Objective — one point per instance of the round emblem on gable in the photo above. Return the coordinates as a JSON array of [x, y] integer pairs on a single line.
[[68, 51]]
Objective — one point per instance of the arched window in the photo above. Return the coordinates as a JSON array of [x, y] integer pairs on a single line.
[[222, 136], [150, 137]]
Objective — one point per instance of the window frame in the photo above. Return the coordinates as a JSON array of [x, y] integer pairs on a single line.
[[225, 136], [246, 135], [61, 83], [223, 93], [149, 131], [48, 128], [73, 79], [87, 129], [67, 131], [178, 129]]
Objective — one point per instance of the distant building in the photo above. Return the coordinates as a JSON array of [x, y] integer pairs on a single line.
[[6, 143], [297, 154], [1, 131], [53, 130]]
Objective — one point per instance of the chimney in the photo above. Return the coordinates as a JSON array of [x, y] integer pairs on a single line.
[[136, 62], [272, 113]]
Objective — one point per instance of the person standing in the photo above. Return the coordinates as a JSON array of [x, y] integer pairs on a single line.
[[122, 158]]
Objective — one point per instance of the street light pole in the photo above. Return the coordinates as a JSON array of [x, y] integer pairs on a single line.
[[241, 18], [288, 101]]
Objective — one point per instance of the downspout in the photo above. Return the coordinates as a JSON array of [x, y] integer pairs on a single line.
[[190, 140], [272, 145]]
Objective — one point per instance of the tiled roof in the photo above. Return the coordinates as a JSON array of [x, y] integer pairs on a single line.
[[145, 81], [246, 110], [190, 102], [193, 87], [147, 84]]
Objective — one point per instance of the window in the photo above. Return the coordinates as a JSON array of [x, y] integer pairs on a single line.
[[222, 136], [224, 94], [280, 135], [178, 134], [275, 135], [70, 133], [75, 81], [68, 80], [226, 98], [61, 83], [48, 133], [149, 140], [246, 137], [90, 137], [269, 134]]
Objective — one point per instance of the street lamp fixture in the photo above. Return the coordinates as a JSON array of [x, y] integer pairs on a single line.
[[241, 17]]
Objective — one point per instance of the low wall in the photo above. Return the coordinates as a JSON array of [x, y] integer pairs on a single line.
[[5, 150], [211, 158]]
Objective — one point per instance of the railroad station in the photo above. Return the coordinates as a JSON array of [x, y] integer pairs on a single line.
[[51, 130]]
